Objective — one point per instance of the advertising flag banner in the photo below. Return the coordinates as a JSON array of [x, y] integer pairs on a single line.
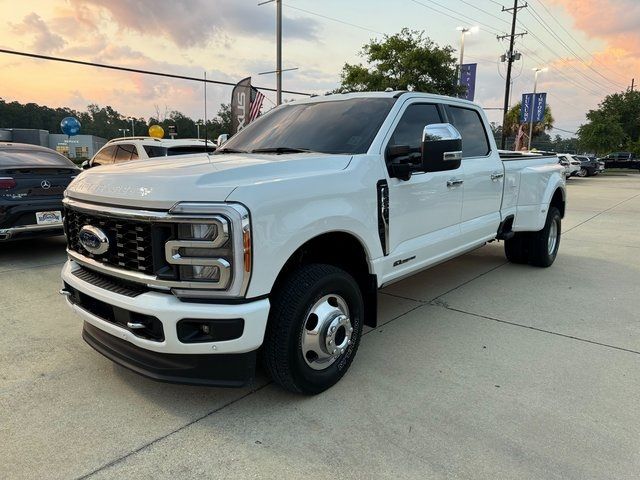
[[533, 106], [539, 106], [468, 79], [240, 105]]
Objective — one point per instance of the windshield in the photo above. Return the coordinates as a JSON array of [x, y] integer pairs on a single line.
[[22, 157], [344, 126]]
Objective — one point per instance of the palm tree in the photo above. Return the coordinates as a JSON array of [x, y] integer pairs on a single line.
[[512, 123]]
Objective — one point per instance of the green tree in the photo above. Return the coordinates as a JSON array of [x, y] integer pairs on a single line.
[[408, 60], [614, 125]]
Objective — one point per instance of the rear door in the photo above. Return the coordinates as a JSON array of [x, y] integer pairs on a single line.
[[483, 172], [126, 152]]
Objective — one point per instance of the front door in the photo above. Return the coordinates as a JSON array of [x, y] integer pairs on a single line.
[[425, 210]]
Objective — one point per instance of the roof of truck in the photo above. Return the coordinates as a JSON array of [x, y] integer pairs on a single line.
[[331, 97]]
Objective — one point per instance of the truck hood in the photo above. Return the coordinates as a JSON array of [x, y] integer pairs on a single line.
[[161, 183]]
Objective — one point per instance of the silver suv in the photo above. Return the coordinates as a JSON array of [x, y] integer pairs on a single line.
[[126, 149]]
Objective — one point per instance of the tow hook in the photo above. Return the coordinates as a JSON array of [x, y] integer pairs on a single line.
[[64, 292]]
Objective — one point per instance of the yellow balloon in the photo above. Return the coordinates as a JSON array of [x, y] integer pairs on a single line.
[[156, 131]]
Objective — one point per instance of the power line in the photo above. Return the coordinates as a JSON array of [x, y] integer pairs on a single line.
[[490, 29], [573, 38], [536, 16], [134, 70], [333, 19]]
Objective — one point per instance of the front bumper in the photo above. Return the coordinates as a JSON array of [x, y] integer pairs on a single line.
[[224, 363], [30, 231]]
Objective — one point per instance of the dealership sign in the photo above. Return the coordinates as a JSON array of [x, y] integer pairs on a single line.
[[533, 107], [468, 80]]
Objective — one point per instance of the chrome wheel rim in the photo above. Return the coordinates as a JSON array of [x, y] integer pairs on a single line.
[[326, 332], [553, 237], [582, 172]]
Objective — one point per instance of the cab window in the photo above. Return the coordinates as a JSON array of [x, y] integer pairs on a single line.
[[126, 152], [104, 156], [474, 136], [411, 126]]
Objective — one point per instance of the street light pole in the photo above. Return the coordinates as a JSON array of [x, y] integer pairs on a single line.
[[533, 102], [463, 32], [278, 52], [133, 127]]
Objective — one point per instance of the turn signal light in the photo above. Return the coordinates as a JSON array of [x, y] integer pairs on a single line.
[[7, 183], [246, 244]]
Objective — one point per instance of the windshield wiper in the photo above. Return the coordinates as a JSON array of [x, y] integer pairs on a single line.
[[230, 150], [281, 150]]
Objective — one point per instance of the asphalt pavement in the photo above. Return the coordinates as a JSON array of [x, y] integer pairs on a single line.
[[478, 369]]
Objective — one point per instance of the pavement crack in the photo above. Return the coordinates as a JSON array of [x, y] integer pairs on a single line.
[[541, 330], [173, 432], [600, 213]]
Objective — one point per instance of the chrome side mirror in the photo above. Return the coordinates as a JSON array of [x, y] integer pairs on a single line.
[[441, 147]]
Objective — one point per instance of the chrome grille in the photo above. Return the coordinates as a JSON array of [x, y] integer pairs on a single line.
[[130, 241]]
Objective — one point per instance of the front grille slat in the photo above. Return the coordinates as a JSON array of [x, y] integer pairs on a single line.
[[130, 240]]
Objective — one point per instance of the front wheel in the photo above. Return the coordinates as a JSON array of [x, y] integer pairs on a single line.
[[583, 172], [545, 243], [314, 329]]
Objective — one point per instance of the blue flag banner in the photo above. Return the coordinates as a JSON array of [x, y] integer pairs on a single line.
[[468, 79], [533, 107]]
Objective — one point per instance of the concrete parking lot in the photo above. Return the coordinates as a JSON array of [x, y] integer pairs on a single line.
[[479, 369]]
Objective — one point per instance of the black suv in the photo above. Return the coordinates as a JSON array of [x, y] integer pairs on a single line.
[[621, 160], [32, 181]]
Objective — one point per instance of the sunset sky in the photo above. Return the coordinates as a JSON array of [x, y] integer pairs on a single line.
[[592, 48]]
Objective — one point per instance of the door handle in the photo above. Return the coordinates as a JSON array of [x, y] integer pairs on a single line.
[[454, 182], [496, 175]]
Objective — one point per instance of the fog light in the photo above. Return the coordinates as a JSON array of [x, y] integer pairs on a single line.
[[208, 273]]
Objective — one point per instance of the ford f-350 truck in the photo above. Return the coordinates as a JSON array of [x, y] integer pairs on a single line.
[[274, 247]]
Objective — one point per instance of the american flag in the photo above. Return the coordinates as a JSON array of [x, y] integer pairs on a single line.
[[256, 106]]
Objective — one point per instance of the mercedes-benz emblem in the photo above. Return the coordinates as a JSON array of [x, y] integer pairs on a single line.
[[46, 184]]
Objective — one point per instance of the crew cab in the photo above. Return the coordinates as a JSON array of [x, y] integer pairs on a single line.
[[126, 149], [275, 246]]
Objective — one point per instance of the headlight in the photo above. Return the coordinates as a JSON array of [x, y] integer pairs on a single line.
[[212, 250]]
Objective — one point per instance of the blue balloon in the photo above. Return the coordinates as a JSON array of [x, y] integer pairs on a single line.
[[70, 126]]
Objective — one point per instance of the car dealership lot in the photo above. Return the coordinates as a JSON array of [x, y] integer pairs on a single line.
[[479, 369]]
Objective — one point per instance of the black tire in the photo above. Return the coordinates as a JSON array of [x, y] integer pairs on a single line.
[[541, 254], [290, 306], [516, 248]]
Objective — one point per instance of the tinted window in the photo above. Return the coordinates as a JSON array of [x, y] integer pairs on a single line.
[[342, 126], [155, 151], [104, 156], [124, 153], [189, 149], [411, 126], [470, 126], [10, 157]]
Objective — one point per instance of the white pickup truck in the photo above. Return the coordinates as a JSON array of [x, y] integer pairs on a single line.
[[274, 247]]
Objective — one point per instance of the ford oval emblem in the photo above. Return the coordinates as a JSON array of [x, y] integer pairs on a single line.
[[93, 240]]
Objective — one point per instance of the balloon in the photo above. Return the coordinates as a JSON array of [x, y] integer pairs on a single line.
[[70, 126], [156, 131]]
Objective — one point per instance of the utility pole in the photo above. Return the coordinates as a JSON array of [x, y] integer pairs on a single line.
[[633, 82], [510, 60]]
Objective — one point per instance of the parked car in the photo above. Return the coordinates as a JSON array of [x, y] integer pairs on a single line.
[[184, 271], [588, 166], [32, 180], [125, 149], [571, 165], [621, 160]]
